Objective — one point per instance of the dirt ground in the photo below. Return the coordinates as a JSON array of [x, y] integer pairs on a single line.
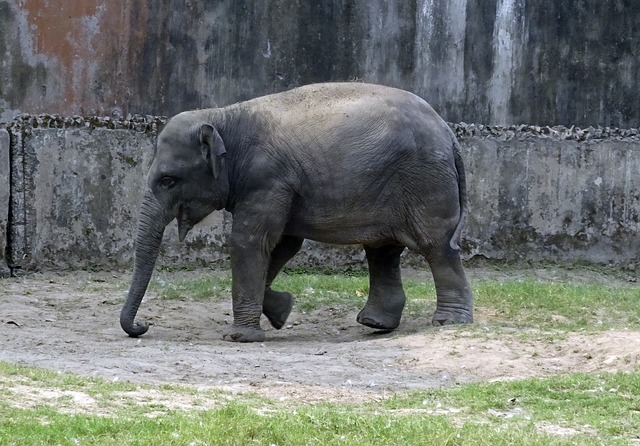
[[69, 322]]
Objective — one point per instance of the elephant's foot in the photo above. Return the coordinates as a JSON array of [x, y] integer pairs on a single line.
[[244, 334], [276, 306], [380, 320], [446, 316]]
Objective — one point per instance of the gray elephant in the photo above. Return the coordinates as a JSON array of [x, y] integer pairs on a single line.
[[341, 163]]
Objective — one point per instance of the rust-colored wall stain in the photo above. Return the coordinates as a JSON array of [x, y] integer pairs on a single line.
[[64, 32], [59, 30], [86, 45]]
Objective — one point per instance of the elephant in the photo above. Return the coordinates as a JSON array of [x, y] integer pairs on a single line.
[[339, 163]]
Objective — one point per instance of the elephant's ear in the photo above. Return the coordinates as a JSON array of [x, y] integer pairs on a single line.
[[213, 149]]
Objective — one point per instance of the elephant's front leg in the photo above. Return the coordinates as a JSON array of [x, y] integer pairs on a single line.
[[250, 249], [257, 228], [248, 273]]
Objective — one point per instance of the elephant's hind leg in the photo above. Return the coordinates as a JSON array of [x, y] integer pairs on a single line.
[[454, 296], [384, 306], [277, 305]]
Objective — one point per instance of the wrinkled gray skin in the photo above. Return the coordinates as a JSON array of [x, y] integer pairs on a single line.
[[342, 163]]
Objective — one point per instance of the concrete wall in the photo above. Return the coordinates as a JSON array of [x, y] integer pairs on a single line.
[[535, 193], [554, 196], [490, 61]]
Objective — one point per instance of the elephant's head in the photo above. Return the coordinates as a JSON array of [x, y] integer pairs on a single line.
[[187, 180]]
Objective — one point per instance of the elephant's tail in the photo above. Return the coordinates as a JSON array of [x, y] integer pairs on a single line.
[[462, 195]]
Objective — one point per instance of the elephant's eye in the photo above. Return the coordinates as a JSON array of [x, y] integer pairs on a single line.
[[167, 182]]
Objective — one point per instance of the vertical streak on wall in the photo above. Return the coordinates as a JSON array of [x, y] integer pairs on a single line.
[[425, 31], [633, 194], [440, 40], [4, 199], [454, 69], [16, 237], [380, 43], [508, 44]]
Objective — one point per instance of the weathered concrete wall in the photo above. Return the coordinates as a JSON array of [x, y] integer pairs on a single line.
[[4, 199], [77, 191], [554, 197], [490, 61], [534, 194]]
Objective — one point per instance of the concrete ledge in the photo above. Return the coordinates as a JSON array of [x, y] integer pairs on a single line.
[[541, 194]]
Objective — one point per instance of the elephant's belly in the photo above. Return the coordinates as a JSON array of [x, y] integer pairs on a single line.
[[343, 232]]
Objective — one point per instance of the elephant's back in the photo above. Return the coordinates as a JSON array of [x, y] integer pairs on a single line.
[[339, 103], [346, 111], [333, 95]]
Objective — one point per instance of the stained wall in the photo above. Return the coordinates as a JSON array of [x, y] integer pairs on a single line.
[[491, 61]]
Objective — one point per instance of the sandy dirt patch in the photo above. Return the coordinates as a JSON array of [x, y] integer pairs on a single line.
[[69, 322]]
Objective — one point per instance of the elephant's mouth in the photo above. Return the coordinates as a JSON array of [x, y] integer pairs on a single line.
[[189, 216], [184, 223]]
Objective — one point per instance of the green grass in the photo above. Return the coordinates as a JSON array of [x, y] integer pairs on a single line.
[[513, 303], [214, 286], [564, 306], [605, 404], [577, 409]]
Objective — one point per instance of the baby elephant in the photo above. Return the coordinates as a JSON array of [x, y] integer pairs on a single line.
[[342, 163]]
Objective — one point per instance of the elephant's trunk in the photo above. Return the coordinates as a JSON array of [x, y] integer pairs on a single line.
[[153, 219]]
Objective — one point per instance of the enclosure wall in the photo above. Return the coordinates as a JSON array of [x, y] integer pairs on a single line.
[[535, 193]]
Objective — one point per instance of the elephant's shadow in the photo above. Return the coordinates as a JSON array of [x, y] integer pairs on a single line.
[[207, 321]]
